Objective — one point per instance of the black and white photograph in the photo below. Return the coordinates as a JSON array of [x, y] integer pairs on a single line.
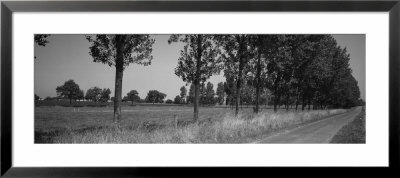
[[199, 88]]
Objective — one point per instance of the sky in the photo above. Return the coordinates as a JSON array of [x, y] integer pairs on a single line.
[[67, 57]]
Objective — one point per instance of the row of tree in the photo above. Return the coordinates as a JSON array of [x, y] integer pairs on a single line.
[[307, 70], [304, 70], [153, 96], [71, 91], [207, 95]]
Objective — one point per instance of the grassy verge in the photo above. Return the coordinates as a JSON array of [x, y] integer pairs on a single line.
[[353, 132], [228, 129]]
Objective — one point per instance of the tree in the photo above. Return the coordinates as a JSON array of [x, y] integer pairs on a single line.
[[265, 96], [133, 96], [68, 90], [280, 70], [209, 94], [314, 74], [230, 90], [105, 95], [197, 62], [41, 40], [183, 94], [190, 98], [120, 51], [177, 99], [345, 91], [361, 102], [81, 95], [302, 53], [169, 101], [154, 96], [37, 97], [236, 56], [247, 96], [220, 93], [94, 94], [262, 51], [202, 94]]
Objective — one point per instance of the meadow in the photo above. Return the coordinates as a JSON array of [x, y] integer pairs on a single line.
[[164, 124]]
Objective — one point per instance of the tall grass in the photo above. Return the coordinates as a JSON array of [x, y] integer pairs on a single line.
[[230, 129]]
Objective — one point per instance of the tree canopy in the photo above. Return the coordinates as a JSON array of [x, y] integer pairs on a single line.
[[220, 93], [154, 96], [93, 94], [41, 39], [69, 90], [183, 94], [133, 96]]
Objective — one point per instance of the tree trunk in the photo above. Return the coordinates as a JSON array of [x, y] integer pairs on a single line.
[[277, 93], [70, 101], [238, 94], [277, 101], [119, 67], [287, 102], [303, 101], [239, 79], [258, 78], [197, 79], [196, 100], [297, 97]]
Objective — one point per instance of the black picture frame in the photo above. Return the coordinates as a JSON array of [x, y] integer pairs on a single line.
[[8, 7]]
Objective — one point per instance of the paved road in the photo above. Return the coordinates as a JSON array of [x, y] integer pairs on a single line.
[[317, 132]]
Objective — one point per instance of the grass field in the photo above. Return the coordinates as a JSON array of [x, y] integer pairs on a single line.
[[354, 132], [157, 124]]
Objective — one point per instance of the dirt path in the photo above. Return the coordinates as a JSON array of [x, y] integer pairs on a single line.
[[317, 132]]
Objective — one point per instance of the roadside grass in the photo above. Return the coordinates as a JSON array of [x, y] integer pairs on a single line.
[[214, 126], [353, 132]]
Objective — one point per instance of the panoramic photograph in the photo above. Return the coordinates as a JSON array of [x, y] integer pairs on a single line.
[[199, 88]]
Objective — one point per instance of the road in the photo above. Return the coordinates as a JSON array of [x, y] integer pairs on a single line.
[[317, 132]]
